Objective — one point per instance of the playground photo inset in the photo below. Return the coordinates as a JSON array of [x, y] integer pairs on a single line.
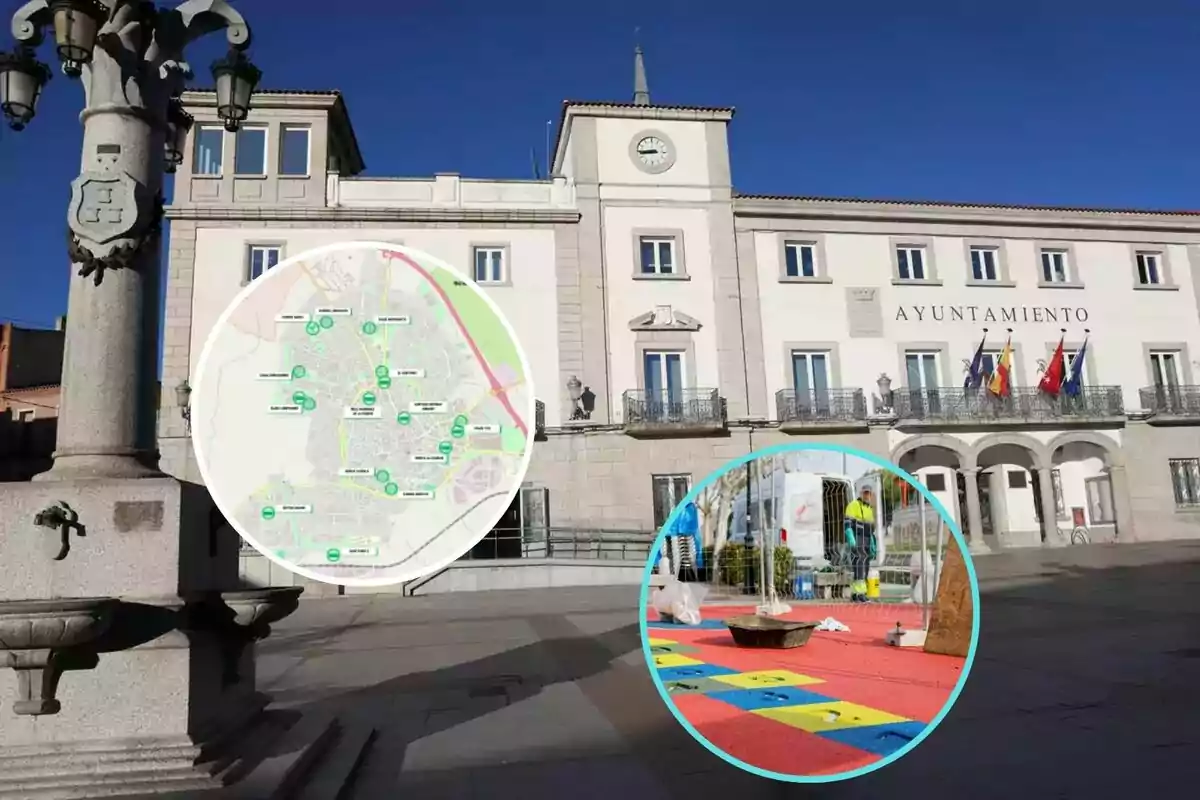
[[810, 613]]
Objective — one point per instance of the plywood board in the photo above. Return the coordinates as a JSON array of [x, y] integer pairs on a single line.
[[951, 621]]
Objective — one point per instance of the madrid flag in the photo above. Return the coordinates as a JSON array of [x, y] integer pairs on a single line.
[[1052, 378]]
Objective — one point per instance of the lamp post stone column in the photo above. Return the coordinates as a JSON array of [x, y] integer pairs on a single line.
[[126, 645]]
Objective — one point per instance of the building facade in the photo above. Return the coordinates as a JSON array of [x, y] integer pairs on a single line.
[[673, 324], [30, 377]]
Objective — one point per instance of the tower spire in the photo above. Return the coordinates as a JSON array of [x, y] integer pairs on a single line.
[[641, 89]]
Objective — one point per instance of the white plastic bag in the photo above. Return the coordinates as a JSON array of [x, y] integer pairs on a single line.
[[679, 600]]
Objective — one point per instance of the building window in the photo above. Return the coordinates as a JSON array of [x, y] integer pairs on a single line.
[[663, 377], [1055, 268], [935, 482], [910, 263], [988, 362], [250, 151], [209, 142], [1018, 479], [26, 414], [921, 369], [668, 491], [261, 258], [800, 259], [293, 150], [1164, 365], [489, 265], [1099, 500], [985, 263], [1060, 505], [1069, 365], [657, 255], [1149, 268], [810, 379], [1185, 477]]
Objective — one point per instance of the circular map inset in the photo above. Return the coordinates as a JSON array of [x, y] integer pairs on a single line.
[[362, 414]]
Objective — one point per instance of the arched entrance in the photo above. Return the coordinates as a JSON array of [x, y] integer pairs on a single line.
[[947, 468], [1094, 485], [1011, 469]]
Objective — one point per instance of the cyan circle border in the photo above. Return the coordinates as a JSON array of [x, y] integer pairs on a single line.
[[651, 563]]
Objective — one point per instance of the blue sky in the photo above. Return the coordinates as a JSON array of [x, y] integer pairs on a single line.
[[1058, 102]]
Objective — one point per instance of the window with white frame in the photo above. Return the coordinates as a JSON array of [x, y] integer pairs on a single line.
[[26, 414], [810, 378], [294, 150], [1055, 268], [910, 263], [208, 151], [1099, 500], [657, 255], [250, 151], [1185, 478], [985, 263], [1149, 268], [1164, 366], [800, 259], [260, 258], [1060, 504], [489, 265]]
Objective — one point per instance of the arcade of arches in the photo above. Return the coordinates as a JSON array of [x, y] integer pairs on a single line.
[[988, 469]]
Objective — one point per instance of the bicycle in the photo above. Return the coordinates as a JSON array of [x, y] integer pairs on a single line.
[[1078, 535]]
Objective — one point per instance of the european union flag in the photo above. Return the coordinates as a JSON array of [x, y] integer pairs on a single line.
[[1073, 385]]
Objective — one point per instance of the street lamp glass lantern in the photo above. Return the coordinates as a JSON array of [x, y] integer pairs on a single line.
[[21, 80], [179, 123], [183, 394], [76, 23], [574, 389], [236, 79]]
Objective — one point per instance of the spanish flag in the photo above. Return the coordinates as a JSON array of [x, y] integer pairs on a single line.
[[1001, 383]]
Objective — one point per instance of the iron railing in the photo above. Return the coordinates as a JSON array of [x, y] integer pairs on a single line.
[[828, 405], [539, 411], [687, 407], [1171, 401], [1029, 404], [574, 543]]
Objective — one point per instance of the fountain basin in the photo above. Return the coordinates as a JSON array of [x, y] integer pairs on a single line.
[[259, 608]]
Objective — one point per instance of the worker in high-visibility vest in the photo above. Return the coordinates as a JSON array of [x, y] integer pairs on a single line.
[[860, 542]]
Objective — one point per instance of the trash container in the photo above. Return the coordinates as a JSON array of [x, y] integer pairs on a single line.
[[805, 584]]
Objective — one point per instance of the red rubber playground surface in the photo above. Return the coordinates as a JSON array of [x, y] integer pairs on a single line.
[[841, 702]]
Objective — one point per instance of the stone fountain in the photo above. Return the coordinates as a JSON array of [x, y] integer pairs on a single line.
[[126, 641]]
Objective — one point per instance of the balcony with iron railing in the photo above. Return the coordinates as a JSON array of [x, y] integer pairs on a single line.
[[824, 409], [1023, 406], [689, 412], [1168, 404]]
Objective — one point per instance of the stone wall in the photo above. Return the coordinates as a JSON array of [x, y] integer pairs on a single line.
[[1148, 449]]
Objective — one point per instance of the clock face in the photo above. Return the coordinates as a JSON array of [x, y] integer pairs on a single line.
[[653, 151]]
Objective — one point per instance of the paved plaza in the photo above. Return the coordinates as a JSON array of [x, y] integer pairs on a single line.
[[1085, 684]]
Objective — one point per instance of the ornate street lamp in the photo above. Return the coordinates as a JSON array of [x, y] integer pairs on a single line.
[[22, 78], [884, 385], [76, 24], [179, 123], [183, 399], [236, 79], [130, 56], [575, 392]]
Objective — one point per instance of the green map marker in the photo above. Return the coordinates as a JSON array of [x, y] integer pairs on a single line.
[[326, 322], [312, 329], [369, 328], [391, 489], [458, 431], [333, 555], [268, 512], [384, 383], [299, 397], [446, 448], [369, 399], [382, 475], [404, 418], [460, 421], [381, 371], [309, 404], [299, 372]]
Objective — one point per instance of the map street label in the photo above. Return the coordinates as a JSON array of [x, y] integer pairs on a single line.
[[295, 508], [334, 312], [293, 317], [483, 429], [362, 551], [354, 472], [426, 407], [362, 412], [393, 319], [274, 376], [282, 409], [408, 372], [416, 494], [428, 459]]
